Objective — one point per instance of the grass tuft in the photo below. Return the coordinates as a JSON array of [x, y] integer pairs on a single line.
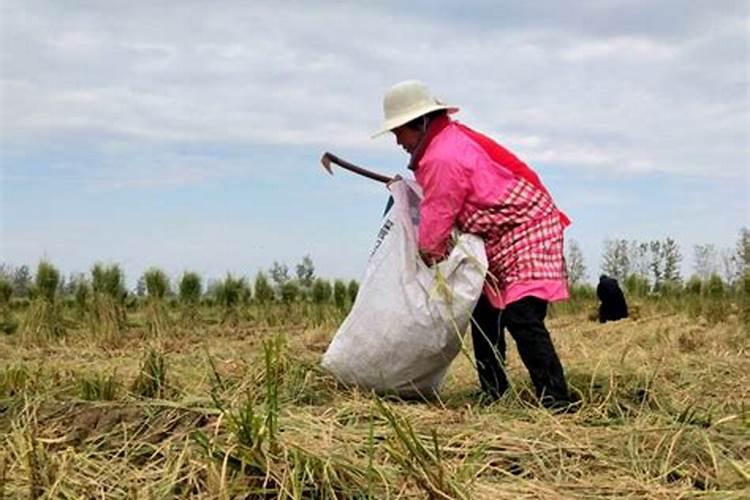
[[151, 381], [98, 387]]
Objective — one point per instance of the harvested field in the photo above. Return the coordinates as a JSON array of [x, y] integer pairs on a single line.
[[223, 411]]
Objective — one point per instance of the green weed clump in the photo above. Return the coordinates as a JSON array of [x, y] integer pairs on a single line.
[[259, 460], [81, 298], [6, 291], [264, 293], [107, 318], [352, 289], [230, 294], [43, 321], [340, 295], [157, 283], [290, 293], [710, 299], [582, 301], [745, 300], [321, 291], [421, 457], [14, 381], [716, 307], [8, 323], [157, 313], [151, 381], [189, 294], [98, 387]]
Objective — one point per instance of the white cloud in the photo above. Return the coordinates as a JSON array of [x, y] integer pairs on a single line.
[[271, 73], [106, 107], [620, 48]]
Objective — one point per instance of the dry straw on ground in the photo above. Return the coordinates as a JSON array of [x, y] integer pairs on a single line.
[[226, 411]]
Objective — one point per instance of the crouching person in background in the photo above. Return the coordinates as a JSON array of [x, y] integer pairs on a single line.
[[613, 305]]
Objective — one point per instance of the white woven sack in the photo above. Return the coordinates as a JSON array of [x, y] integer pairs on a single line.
[[408, 320]]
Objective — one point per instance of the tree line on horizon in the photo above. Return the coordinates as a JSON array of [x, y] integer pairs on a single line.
[[654, 267], [651, 267], [274, 285], [100, 303]]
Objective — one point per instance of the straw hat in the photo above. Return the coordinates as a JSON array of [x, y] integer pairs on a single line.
[[406, 101]]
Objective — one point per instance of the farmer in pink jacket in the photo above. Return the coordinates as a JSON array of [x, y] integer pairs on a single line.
[[471, 182]]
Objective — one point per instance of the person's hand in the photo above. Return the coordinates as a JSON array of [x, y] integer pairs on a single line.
[[395, 178], [430, 258]]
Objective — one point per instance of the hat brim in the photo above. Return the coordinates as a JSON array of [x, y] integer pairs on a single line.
[[407, 117]]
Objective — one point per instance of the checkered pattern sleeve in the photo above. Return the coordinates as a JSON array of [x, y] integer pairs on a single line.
[[523, 236]]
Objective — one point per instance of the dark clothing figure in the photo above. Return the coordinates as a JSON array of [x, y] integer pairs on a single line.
[[613, 305], [524, 319]]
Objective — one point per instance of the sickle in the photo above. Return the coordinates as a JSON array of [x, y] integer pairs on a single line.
[[329, 158]]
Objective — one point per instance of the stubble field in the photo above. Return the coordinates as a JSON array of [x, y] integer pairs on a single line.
[[205, 409]]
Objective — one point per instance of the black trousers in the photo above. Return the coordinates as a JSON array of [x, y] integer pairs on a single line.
[[524, 319]]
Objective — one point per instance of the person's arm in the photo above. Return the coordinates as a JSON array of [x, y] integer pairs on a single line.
[[444, 187]]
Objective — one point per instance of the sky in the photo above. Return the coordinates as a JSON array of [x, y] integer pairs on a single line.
[[187, 134]]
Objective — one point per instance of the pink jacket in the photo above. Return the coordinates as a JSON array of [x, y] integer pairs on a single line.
[[473, 183]]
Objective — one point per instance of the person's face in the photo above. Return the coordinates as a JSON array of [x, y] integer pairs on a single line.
[[407, 138]]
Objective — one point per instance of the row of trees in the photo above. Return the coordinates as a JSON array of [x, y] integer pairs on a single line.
[[644, 267], [99, 305], [654, 266], [274, 285]]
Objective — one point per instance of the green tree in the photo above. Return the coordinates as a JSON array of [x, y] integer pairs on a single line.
[[6, 273], [638, 257], [574, 264], [672, 259], [321, 291], [742, 253], [340, 294], [352, 290], [615, 259], [264, 293], [656, 263], [6, 290], [306, 272], [704, 261], [71, 284], [140, 286], [280, 276], [290, 292], [731, 269], [22, 281]]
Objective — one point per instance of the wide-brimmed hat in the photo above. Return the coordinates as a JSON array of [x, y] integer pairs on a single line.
[[406, 101]]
